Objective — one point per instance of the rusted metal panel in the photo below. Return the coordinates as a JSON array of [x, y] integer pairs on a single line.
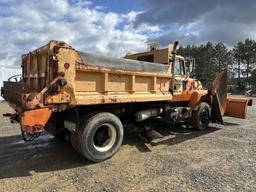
[[237, 106], [227, 105], [13, 93], [218, 90], [59, 98], [33, 121], [38, 66]]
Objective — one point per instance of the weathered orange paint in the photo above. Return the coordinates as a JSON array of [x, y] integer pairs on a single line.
[[195, 98], [237, 106], [193, 94], [35, 120], [41, 92]]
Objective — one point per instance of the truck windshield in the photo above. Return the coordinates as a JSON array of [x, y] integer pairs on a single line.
[[179, 67]]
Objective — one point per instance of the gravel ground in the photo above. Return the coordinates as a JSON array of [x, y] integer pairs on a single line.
[[223, 158]]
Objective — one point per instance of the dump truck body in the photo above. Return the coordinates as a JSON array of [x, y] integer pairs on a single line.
[[91, 79], [93, 96]]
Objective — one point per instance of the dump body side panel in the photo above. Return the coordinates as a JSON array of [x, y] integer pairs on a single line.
[[93, 79], [99, 85]]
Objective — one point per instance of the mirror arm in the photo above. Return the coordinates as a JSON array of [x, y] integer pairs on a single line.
[[174, 52]]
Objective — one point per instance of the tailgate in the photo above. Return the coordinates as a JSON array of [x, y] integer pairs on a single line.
[[37, 67], [38, 70]]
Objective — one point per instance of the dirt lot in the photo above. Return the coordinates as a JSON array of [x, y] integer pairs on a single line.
[[220, 159]]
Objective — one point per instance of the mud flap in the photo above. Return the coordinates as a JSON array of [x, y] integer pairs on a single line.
[[33, 121]]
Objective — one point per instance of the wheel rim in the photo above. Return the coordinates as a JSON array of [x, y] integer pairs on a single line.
[[104, 137], [204, 116]]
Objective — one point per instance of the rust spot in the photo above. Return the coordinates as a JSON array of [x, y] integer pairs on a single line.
[[33, 121]]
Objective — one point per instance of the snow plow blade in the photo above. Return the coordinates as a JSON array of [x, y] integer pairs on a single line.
[[225, 105], [237, 106]]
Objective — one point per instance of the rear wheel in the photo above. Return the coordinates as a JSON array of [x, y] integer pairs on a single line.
[[201, 118], [99, 137]]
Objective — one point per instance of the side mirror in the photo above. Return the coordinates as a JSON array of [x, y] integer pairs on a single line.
[[190, 67]]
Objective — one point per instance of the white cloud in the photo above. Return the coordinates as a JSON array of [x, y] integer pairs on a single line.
[[26, 25], [200, 21]]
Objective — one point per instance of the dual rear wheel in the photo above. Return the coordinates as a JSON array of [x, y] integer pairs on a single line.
[[99, 136]]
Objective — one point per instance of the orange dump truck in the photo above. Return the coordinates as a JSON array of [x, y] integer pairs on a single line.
[[91, 99]]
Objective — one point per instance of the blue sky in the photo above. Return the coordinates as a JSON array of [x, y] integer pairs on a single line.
[[115, 27], [119, 6]]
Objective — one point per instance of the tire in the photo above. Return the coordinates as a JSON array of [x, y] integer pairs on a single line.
[[201, 118], [99, 137], [74, 135]]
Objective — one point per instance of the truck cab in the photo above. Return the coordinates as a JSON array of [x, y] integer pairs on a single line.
[[182, 83], [187, 89]]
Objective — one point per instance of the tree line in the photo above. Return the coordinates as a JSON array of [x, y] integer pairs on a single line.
[[211, 58]]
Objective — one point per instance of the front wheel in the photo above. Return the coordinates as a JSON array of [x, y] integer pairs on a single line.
[[99, 137], [201, 118]]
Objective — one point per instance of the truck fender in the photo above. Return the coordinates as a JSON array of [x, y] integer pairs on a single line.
[[196, 98]]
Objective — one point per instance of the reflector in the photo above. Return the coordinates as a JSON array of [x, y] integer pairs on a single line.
[[66, 65]]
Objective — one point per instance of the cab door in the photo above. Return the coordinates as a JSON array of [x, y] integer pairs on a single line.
[[180, 77]]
